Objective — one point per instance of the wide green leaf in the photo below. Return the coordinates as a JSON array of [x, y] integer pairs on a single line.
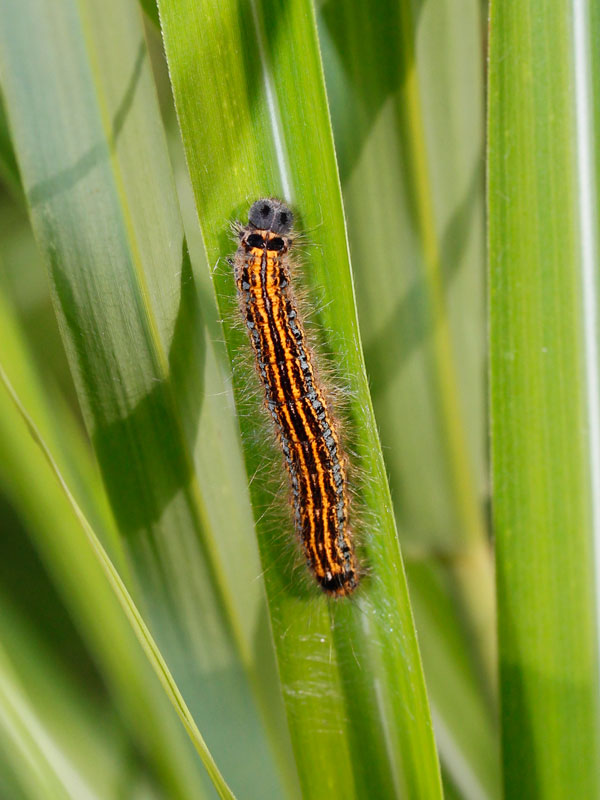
[[92, 155], [250, 98], [544, 226]]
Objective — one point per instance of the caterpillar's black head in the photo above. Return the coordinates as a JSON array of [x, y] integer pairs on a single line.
[[271, 215]]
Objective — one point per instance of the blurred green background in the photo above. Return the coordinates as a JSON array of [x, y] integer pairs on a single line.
[[137, 392]]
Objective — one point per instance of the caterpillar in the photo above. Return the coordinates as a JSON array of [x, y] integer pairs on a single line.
[[305, 428]]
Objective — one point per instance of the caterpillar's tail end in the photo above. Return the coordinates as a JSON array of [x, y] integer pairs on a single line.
[[340, 584]]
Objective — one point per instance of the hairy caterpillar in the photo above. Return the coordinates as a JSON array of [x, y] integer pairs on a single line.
[[305, 428]]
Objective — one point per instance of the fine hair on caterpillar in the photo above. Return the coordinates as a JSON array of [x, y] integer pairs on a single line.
[[294, 393]]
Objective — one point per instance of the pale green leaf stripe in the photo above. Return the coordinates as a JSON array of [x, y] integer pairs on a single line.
[[543, 230], [92, 154], [249, 93], [137, 623]]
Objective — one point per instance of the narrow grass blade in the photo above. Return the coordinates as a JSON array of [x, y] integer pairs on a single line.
[[91, 150], [125, 600], [28, 482], [250, 98], [544, 121], [408, 123]]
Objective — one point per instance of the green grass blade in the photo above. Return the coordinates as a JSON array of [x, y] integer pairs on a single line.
[[31, 486], [91, 149], [544, 121], [127, 604], [408, 123], [250, 98], [411, 168]]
